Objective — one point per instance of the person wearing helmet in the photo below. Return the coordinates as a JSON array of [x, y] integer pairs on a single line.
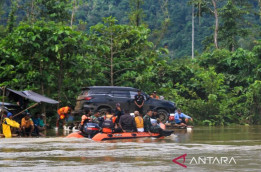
[[62, 114], [154, 95], [7, 123]]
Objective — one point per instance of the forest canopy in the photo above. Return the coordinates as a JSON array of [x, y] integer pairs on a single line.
[[203, 55]]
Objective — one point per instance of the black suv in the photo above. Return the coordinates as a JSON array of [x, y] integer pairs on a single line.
[[105, 97]]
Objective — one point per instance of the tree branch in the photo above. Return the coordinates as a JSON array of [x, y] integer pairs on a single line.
[[121, 70], [125, 61]]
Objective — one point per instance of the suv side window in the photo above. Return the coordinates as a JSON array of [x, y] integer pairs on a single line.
[[132, 94], [99, 91], [84, 93], [120, 94]]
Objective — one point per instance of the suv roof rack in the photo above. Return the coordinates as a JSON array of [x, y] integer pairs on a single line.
[[109, 87]]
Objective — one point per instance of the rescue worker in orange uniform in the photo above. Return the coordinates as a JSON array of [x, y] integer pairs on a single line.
[[154, 95], [63, 113], [109, 122]]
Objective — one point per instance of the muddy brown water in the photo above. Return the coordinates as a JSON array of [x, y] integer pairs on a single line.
[[236, 148]]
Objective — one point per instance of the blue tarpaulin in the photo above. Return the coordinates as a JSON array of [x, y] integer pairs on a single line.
[[28, 94]]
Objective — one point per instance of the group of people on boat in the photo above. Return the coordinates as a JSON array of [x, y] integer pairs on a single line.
[[122, 121]]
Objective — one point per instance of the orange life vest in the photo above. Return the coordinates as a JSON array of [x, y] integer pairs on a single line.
[[62, 111], [156, 97], [112, 119]]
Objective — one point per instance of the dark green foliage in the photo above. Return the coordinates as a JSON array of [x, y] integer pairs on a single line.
[[170, 23], [218, 87], [136, 14], [233, 26], [43, 56], [55, 10], [11, 18], [119, 49]]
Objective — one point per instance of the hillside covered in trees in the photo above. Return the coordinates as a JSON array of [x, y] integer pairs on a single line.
[[170, 22], [56, 47]]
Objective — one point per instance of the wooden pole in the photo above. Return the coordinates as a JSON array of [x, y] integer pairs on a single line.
[[2, 109], [193, 28], [26, 109]]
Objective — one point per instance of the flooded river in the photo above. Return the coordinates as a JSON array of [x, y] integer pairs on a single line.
[[203, 149]]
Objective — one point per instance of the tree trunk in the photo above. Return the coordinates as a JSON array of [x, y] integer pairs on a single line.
[[73, 11], [165, 22], [2, 107], [216, 25], [138, 14], [11, 17], [112, 82], [60, 80], [43, 107], [193, 27], [199, 13], [259, 2], [31, 13]]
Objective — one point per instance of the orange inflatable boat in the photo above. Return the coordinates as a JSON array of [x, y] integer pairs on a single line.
[[112, 136], [75, 135], [131, 135]]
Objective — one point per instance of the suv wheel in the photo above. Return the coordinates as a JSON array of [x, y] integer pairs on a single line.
[[103, 111], [163, 115]]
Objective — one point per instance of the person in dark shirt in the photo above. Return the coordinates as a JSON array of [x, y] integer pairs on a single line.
[[155, 114], [139, 102], [22, 102], [127, 123], [118, 113]]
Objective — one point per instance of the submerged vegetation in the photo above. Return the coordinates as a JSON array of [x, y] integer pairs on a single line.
[[48, 47]]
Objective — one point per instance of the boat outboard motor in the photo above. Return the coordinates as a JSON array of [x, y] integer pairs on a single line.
[[101, 120], [90, 129]]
